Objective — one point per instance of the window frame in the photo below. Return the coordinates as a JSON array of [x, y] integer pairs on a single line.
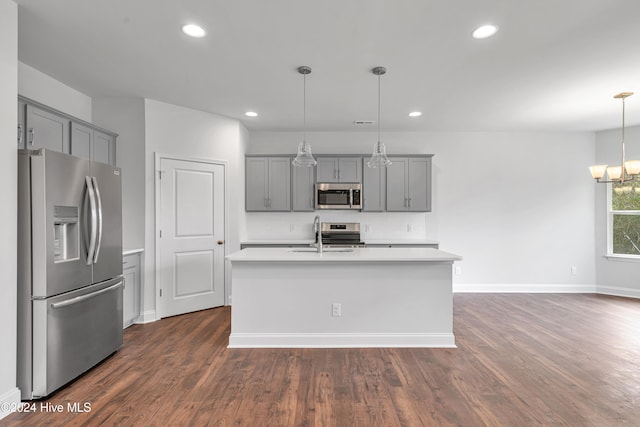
[[610, 215]]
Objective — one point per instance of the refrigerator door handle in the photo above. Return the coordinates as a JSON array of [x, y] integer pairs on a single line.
[[91, 247], [79, 299], [99, 215]]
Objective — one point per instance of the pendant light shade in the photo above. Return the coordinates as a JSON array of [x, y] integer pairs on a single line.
[[628, 170], [379, 157], [304, 156]]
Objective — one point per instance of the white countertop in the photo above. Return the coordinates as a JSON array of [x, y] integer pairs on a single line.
[[366, 241], [340, 255], [400, 242], [126, 252], [278, 242]]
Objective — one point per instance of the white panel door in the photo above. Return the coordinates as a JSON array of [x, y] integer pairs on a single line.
[[192, 220]]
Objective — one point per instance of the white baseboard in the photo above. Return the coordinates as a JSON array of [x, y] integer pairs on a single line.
[[146, 317], [9, 402], [524, 288], [620, 292], [350, 340]]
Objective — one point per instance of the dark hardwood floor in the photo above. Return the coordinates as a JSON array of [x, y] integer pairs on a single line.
[[522, 360]]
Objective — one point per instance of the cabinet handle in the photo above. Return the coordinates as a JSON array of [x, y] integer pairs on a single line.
[[265, 203], [405, 202], [20, 134], [335, 174], [409, 201], [221, 242], [32, 136]]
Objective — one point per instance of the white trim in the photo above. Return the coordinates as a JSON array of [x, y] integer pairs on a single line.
[[340, 340], [624, 258], [146, 317], [524, 288], [620, 292], [156, 218], [9, 402]]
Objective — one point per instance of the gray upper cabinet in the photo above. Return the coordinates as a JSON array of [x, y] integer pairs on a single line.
[[92, 144], [409, 184], [104, 148], [268, 181], [303, 184], [81, 141], [22, 107], [374, 188], [46, 130], [339, 169], [41, 127]]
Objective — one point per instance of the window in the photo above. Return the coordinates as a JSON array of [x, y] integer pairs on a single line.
[[624, 219]]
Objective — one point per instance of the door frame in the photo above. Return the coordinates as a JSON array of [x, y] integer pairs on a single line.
[[156, 173]]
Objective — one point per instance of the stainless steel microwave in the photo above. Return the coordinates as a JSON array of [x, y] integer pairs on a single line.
[[333, 195]]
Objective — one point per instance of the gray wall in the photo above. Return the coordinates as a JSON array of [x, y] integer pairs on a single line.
[[517, 206], [174, 130], [614, 276], [125, 116], [8, 187]]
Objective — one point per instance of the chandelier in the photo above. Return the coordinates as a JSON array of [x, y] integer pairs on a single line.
[[628, 170]]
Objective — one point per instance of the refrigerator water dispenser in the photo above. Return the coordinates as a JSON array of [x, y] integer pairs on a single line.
[[65, 233]]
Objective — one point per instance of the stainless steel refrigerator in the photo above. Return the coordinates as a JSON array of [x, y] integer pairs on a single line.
[[69, 268]]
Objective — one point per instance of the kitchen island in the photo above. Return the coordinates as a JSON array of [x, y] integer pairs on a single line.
[[361, 297]]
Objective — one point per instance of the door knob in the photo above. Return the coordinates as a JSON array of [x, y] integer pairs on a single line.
[[221, 242]]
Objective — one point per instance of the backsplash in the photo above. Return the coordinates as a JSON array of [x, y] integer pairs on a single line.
[[373, 225]]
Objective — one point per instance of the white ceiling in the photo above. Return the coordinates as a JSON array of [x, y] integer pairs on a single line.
[[554, 65]]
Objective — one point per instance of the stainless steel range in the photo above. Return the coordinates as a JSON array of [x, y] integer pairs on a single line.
[[341, 235]]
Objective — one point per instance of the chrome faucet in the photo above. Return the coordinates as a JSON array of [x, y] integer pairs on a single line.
[[317, 228]]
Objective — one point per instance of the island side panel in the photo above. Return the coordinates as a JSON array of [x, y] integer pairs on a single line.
[[393, 304]]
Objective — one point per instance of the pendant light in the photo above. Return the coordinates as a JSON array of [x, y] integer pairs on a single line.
[[379, 156], [304, 156], [628, 170]]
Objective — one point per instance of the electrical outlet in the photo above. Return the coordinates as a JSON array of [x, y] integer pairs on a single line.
[[458, 270], [409, 228], [336, 309], [574, 270]]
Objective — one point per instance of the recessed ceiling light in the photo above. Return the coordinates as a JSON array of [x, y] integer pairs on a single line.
[[193, 30], [415, 114], [485, 31], [251, 114]]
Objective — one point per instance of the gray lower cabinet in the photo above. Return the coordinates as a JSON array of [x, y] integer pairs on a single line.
[[131, 292], [303, 186], [409, 184], [374, 189], [45, 129], [339, 169], [268, 181]]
